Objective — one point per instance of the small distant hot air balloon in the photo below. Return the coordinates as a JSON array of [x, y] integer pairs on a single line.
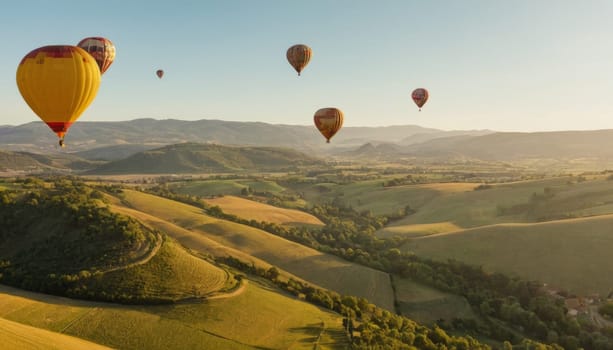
[[420, 96], [328, 121], [102, 49], [159, 73], [299, 56], [58, 83]]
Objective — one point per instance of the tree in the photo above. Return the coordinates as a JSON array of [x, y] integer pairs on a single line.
[[272, 273]]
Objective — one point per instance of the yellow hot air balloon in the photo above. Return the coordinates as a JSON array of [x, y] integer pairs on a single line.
[[58, 82], [299, 56], [328, 121], [102, 49]]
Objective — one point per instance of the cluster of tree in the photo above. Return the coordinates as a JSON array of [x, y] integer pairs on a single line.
[[606, 310], [60, 235], [483, 187], [407, 180]]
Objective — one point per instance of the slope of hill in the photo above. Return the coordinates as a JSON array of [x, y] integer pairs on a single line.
[[199, 158], [258, 318], [524, 201], [115, 152], [207, 188], [32, 163], [19, 161], [18, 336], [573, 254], [251, 210], [61, 240], [517, 146], [321, 269]]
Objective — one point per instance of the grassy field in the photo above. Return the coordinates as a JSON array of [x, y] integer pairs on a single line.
[[19, 336], [573, 254], [321, 269], [372, 195], [259, 317], [427, 305], [508, 203], [252, 210], [263, 186], [207, 188]]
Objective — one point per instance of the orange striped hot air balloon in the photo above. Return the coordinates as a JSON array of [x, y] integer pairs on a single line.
[[328, 121], [420, 97], [58, 83], [102, 49], [299, 56]]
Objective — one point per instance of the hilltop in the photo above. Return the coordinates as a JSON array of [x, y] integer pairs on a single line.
[[61, 238], [200, 158]]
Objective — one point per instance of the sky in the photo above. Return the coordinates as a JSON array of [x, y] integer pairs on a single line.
[[521, 65]]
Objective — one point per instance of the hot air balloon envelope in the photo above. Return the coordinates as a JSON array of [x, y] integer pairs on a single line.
[[299, 56], [159, 73], [58, 83], [328, 121], [102, 49], [420, 97]]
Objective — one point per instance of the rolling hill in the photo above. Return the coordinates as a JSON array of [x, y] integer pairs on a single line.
[[252, 210], [257, 318], [84, 135], [207, 158], [115, 152], [19, 336], [311, 265], [509, 146], [572, 255], [61, 239]]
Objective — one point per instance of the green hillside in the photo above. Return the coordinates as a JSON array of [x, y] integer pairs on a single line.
[[257, 318], [573, 254], [206, 188], [206, 158], [524, 201], [19, 336], [115, 152], [61, 238], [321, 269]]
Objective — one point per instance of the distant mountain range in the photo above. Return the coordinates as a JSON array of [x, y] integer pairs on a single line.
[[146, 145], [36, 137]]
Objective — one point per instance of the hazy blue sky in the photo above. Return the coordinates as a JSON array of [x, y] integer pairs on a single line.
[[507, 65]]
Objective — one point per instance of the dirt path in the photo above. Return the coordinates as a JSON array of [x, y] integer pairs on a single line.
[[238, 291], [142, 259]]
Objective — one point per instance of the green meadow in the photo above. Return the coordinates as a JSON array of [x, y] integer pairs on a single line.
[[526, 201], [208, 188], [572, 254], [260, 317]]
